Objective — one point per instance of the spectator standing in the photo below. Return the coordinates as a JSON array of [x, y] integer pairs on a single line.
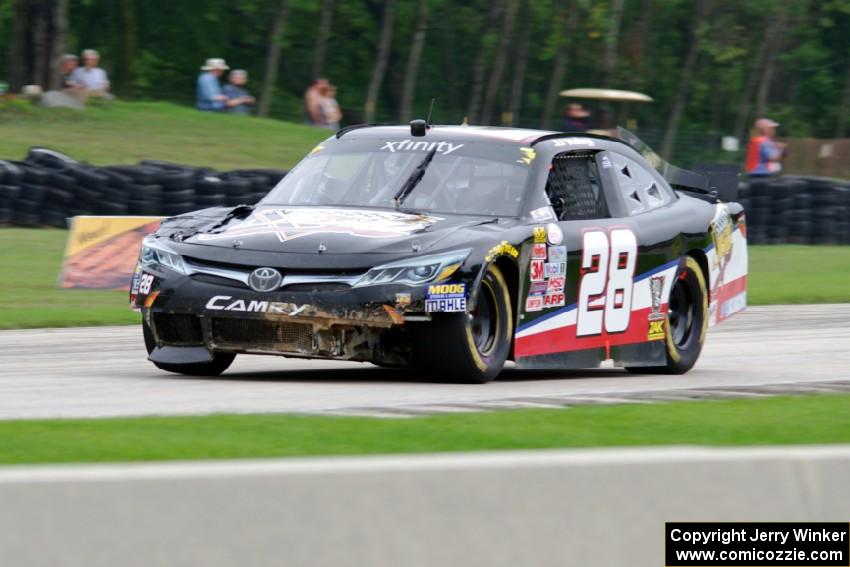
[[764, 155], [331, 113], [210, 97], [239, 101], [312, 102], [90, 77]]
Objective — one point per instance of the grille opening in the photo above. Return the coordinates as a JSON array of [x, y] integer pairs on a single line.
[[257, 334], [178, 329]]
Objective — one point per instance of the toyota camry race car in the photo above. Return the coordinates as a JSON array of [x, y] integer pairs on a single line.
[[453, 248]]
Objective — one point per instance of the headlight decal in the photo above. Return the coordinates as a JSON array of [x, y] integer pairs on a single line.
[[155, 254], [415, 271]]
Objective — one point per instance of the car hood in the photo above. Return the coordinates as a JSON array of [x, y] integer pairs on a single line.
[[333, 231]]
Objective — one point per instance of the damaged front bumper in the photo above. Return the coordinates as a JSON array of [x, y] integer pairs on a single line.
[[189, 320]]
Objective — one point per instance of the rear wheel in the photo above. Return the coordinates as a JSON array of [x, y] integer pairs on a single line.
[[473, 346], [687, 321], [220, 362]]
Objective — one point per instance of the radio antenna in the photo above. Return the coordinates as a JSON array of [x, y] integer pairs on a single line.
[[430, 110]]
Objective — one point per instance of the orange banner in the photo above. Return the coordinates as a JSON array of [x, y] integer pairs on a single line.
[[102, 251]]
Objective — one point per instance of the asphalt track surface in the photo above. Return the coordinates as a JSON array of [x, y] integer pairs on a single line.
[[103, 371]]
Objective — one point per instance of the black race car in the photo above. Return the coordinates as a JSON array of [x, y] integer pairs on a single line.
[[453, 248]]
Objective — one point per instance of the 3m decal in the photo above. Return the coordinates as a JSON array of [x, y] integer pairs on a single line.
[[656, 330], [556, 269], [537, 271], [502, 249], [553, 300], [445, 298], [557, 253], [444, 148], [556, 284], [606, 283], [538, 251], [534, 303], [539, 234]]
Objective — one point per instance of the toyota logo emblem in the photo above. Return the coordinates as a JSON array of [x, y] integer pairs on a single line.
[[265, 279]]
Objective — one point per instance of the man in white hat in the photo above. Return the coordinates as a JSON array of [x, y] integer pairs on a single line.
[[764, 155], [210, 97]]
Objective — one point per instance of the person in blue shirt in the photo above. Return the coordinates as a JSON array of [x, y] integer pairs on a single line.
[[239, 100], [210, 97]]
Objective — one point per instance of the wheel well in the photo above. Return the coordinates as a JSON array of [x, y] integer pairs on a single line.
[[510, 271], [702, 260]]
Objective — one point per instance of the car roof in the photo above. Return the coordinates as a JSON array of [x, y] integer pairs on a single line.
[[519, 136]]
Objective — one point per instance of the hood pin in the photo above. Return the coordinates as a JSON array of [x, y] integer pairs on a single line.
[[237, 243], [322, 247]]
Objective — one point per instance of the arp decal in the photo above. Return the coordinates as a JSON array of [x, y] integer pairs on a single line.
[[553, 300], [288, 224], [445, 298]]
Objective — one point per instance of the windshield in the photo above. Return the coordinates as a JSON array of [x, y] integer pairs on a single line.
[[460, 179]]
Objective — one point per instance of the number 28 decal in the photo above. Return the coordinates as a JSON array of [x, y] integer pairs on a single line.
[[605, 292]]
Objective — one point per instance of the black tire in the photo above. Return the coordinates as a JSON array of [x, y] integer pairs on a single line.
[[220, 362], [470, 347], [686, 324]]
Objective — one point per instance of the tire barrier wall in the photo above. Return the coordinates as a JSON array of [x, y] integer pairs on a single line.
[[796, 210], [574, 507], [48, 187]]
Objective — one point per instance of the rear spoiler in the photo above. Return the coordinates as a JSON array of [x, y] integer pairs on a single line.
[[715, 181]]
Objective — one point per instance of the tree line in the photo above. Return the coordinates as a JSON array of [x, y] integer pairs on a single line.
[[712, 66]]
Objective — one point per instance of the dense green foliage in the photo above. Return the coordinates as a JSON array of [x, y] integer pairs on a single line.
[[773, 421], [153, 49]]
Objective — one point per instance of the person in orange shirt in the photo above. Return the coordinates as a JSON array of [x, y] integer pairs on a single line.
[[764, 155]]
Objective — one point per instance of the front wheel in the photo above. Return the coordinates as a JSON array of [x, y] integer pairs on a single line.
[[473, 346], [220, 362]]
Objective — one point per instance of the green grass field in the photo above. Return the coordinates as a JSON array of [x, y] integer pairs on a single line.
[[29, 297], [122, 133], [771, 421]]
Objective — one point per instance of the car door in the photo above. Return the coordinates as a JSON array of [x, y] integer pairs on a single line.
[[605, 299]]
